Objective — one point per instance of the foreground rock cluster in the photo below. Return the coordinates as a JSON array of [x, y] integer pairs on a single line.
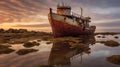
[[111, 43], [25, 51], [5, 49], [16, 36]]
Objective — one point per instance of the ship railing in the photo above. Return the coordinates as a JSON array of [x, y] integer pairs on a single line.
[[72, 13], [75, 14]]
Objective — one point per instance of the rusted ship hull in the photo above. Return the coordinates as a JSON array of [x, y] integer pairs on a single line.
[[64, 26]]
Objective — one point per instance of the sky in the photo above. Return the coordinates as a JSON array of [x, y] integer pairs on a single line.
[[32, 14]]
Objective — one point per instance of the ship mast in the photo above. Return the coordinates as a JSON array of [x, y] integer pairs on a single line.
[[81, 11]]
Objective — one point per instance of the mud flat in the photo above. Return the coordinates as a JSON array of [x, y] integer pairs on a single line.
[[115, 59], [14, 36], [43, 47], [18, 36]]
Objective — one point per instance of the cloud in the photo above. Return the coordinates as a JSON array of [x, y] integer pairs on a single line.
[[100, 3], [33, 25], [106, 11], [108, 24], [17, 10], [102, 12]]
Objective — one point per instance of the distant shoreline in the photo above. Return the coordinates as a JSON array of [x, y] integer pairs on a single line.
[[17, 36], [12, 30], [107, 33]]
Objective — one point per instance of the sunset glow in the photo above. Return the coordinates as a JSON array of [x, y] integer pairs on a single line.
[[32, 14]]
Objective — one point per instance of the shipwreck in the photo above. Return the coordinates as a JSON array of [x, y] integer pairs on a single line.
[[66, 23]]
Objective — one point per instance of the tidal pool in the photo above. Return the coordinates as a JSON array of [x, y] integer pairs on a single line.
[[58, 54]]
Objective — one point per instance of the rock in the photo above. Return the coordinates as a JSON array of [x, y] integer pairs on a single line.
[[48, 42], [115, 59], [35, 43], [39, 40], [31, 44], [25, 51], [111, 43], [5, 49], [116, 37], [98, 36]]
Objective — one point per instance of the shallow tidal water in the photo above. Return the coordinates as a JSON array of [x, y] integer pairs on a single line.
[[61, 55]]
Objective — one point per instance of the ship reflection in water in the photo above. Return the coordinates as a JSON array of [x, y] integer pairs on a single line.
[[62, 53], [79, 52], [94, 55]]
